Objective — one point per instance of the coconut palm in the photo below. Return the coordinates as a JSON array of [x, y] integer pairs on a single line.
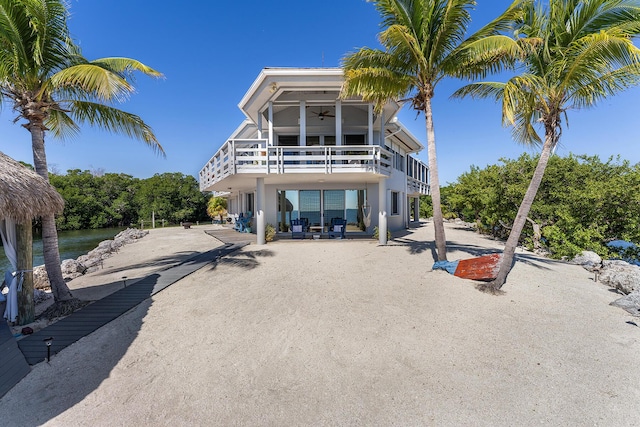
[[216, 207], [572, 54], [52, 87], [423, 44]]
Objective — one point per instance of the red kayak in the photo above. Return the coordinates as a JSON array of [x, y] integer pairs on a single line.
[[483, 268]]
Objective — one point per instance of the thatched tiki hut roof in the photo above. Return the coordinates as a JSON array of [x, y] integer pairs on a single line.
[[24, 194]]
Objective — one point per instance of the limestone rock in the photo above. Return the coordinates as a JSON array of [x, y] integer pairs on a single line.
[[90, 262], [40, 278], [621, 275], [630, 303], [72, 269], [587, 259]]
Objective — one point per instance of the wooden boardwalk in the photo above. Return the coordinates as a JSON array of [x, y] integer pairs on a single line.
[[93, 316]]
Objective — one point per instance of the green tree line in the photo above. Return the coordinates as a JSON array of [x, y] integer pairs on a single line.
[[582, 202], [112, 200]]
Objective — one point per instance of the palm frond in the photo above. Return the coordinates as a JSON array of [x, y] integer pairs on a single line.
[[115, 121], [481, 90], [61, 125], [126, 66], [377, 85], [92, 79]]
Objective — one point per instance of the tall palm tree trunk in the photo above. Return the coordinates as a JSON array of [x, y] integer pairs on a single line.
[[523, 212], [434, 183], [50, 251]]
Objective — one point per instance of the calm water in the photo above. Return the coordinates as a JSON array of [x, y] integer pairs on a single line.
[[72, 244]]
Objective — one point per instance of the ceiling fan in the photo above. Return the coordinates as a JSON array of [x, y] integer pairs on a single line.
[[322, 114]]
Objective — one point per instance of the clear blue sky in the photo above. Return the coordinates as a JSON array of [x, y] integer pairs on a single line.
[[210, 52]]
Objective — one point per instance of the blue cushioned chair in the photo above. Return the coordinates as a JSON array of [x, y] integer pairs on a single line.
[[298, 229], [337, 228]]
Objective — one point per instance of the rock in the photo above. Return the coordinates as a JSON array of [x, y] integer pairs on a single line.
[[587, 259], [620, 275], [41, 296], [40, 278], [71, 269], [90, 262], [629, 303]]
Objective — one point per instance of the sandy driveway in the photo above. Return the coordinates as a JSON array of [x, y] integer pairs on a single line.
[[348, 333]]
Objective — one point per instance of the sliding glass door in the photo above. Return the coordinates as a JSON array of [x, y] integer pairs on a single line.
[[319, 207]]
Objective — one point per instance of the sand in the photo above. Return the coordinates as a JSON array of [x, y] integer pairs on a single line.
[[343, 333]]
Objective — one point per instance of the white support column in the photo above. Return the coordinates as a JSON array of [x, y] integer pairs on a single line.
[[370, 125], [260, 220], [382, 129], [338, 122], [270, 119], [303, 123], [382, 215], [416, 209], [260, 125]]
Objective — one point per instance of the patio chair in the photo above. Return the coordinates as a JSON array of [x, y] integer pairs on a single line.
[[298, 229], [337, 228], [243, 223]]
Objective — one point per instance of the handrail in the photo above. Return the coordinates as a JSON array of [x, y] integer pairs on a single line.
[[238, 156]]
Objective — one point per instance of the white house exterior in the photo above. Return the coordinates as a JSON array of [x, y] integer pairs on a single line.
[[303, 152]]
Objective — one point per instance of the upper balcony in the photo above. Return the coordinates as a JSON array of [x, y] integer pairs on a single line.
[[254, 157]]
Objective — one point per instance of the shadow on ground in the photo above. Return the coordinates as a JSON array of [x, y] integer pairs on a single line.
[[168, 261], [47, 403]]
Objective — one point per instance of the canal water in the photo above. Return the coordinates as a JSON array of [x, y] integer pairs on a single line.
[[71, 244]]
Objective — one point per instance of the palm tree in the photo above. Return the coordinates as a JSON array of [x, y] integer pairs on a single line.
[[217, 206], [53, 88], [423, 44], [572, 54]]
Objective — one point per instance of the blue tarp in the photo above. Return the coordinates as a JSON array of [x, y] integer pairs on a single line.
[[449, 266]]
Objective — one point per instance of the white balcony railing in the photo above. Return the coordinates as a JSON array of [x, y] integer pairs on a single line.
[[253, 156]]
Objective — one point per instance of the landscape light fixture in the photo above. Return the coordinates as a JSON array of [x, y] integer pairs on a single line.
[[48, 342]]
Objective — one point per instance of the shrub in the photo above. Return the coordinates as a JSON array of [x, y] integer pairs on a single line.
[[376, 233], [269, 232]]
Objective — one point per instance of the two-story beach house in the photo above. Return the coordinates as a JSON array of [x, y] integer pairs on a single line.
[[305, 154]]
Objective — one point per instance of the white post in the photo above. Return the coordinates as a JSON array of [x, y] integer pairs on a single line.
[[370, 126], [382, 129], [416, 209], [260, 220], [338, 122], [382, 216], [260, 125], [303, 123], [153, 219], [270, 119]]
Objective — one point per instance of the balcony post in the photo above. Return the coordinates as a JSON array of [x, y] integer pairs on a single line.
[[338, 122], [370, 125], [270, 120], [303, 123], [260, 220]]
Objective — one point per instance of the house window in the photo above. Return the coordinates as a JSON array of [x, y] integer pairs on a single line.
[[354, 140], [399, 161], [288, 140], [395, 203]]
